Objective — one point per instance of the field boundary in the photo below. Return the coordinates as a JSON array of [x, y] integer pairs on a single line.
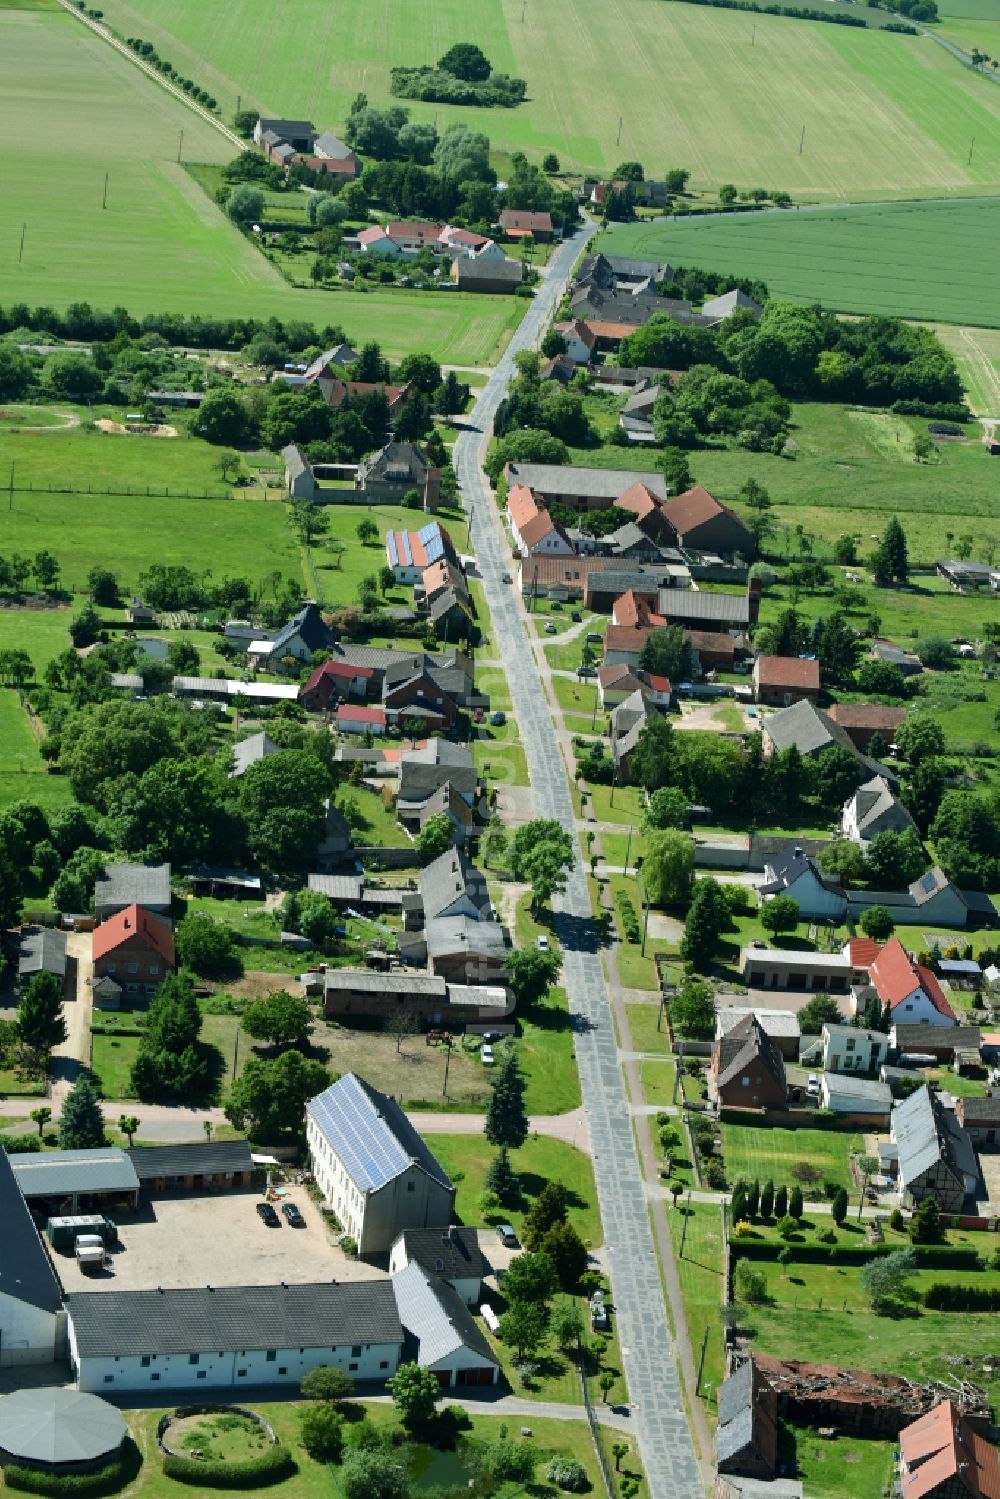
[[105, 34]]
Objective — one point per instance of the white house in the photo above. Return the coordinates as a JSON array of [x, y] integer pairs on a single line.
[[373, 1168], [912, 993], [848, 1048], [375, 241], [579, 340], [533, 531], [222, 1337], [440, 1333], [452, 1254], [32, 1320], [873, 809], [356, 718]]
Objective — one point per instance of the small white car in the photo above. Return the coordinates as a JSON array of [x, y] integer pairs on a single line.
[[812, 1086], [486, 1056], [542, 943]]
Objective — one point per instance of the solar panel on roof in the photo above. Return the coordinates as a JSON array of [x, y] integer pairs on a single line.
[[428, 532], [407, 548], [392, 549], [928, 881]]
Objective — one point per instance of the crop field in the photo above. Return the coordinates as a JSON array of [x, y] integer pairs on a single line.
[[976, 351], [884, 115], [932, 261], [161, 244]]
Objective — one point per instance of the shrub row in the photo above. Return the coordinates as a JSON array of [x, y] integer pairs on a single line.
[[149, 54], [107, 1479], [630, 921], [14, 1143], [81, 321], [796, 12], [945, 411], [929, 1257], [944, 1297], [271, 1466]]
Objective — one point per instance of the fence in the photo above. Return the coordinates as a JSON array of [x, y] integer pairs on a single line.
[[140, 491], [609, 1483]]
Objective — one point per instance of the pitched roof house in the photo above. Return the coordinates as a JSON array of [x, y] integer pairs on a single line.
[[517, 223], [439, 1331], [451, 885], [747, 1070], [873, 809], [578, 339], [862, 720], [332, 680], [729, 302], [248, 751], [533, 531], [303, 635], [791, 871], [912, 992], [746, 1438], [453, 1255], [783, 680], [701, 521], [408, 553], [812, 731], [372, 1166], [486, 273], [123, 885], [42, 950], [935, 1157], [943, 1457], [134, 950]]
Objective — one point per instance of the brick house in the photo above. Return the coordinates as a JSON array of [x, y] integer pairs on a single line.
[[780, 681], [943, 1457], [747, 1070], [860, 721], [133, 951], [518, 223]]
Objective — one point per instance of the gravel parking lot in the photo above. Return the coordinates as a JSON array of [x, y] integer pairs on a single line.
[[190, 1240]]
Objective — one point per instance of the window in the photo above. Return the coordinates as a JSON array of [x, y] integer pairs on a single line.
[[352, 1367], [132, 988], [133, 968], [384, 1364], [112, 967], [154, 969], [411, 1186], [109, 1379], [850, 1044], [150, 988], [271, 1355], [194, 1358], [202, 1374], [241, 1374], [282, 1371], [745, 1081], [356, 1351], [144, 1361], [154, 1377]]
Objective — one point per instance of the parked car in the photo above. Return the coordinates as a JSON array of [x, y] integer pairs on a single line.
[[586, 671], [486, 1056], [292, 1215], [550, 628], [593, 638], [478, 715], [812, 1086], [576, 616], [498, 718], [267, 1214], [507, 1236], [542, 943], [507, 578]]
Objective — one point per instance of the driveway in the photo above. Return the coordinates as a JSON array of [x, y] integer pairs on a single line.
[[648, 1358]]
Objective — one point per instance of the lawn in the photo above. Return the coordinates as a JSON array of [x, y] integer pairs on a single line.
[[545, 1051], [627, 808], [642, 1028], [161, 244], [467, 1157], [498, 754], [741, 87], [657, 1080], [758, 1152], [976, 351], [112, 1058], [491, 681], [700, 1272], [23, 773], [837, 1469], [914, 260]]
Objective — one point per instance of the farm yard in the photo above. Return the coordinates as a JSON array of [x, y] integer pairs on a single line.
[[930, 261], [730, 114], [161, 244]]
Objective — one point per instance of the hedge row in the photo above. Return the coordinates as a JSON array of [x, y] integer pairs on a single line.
[[15, 1143], [929, 1257], [108, 1479], [944, 1297], [796, 12], [630, 921], [271, 1466]]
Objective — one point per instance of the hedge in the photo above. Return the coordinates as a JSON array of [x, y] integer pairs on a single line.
[[271, 1466], [929, 1257], [19, 1142], [108, 1479], [944, 1297]]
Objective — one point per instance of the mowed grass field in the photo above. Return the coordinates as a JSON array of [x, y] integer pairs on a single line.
[[23, 772], [976, 351], [934, 261], [78, 111], [721, 93]]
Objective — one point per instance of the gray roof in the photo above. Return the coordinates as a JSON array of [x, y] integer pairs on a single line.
[[448, 877], [874, 801], [310, 626], [201, 1319], [43, 950], [195, 1158], [860, 1090], [772, 1022], [709, 608], [295, 460], [26, 1273], [453, 934], [489, 268], [919, 1129], [729, 302], [788, 864], [250, 750], [735, 1413], [56, 1425], [608, 483], [436, 1322], [60, 1172], [134, 885], [338, 886], [807, 727], [330, 145], [370, 1135], [360, 980], [745, 1043], [453, 1253]]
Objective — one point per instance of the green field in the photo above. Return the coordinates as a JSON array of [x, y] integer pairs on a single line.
[[976, 351], [759, 1153], [80, 110], [918, 260], [23, 773], [884, 115]]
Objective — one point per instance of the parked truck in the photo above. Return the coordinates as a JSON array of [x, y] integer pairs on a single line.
[[64, 1232], [90, 1253]]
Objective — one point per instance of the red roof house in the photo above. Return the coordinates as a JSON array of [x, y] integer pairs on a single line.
[[334, 680], [699, 520], [353, 718], [912, 993], [942, 1457], [517, 223], [133, 951], [861, 720], [782, 680]]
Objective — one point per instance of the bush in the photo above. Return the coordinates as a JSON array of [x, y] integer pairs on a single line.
[[107, 1479], [945, 1296], [630, 921], [567, 1475], [271, 1466], [14, 1143]]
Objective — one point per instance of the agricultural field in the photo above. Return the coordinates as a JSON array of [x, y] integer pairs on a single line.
[[976, 351], [741, 87], [932, 261], [161, 243]]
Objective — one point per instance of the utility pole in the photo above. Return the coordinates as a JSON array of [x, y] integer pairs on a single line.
[[620, 123], [10, 496], [802, 139], [239, 101], [753, 35], [701, 1363], [684, 1231], [628, 847], [645, 929], [447, 1064], [20, 253], [104, 201], [524, 10], [180, 142], [972, 145]]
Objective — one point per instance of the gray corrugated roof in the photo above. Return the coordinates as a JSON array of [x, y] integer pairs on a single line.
[[915, 1132], [25, 1271], [195, 1158], [249, 751], [43, 950], [860, 1090], [424, 985], [451, 934], [128, 1324], [435, 1319], [610, 483], [807, 727], [134, 885], [692, 603], [447, 878], [55, 1425], [370, 1134], [60, 1172], [338, 886]]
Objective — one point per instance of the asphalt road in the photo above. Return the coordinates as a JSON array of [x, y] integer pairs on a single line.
[[647, 1352]]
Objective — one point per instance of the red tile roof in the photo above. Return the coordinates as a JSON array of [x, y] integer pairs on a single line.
[[787, 671], [630, 609], [692, 508], [659, 684], [360, 715], [712, 640], [862, 951], [340, 670], [134, 921], [640, 500], [520, 221], [940, 1450], [521, 505], [874, 716], [624, 638], [895, 976], [601, 329], [578, 329], [427, 234]]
